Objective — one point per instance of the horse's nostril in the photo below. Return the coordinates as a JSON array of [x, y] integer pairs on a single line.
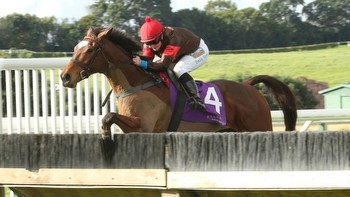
[[65, 77]]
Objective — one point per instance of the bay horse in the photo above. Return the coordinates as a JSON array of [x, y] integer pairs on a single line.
[[109, 51]]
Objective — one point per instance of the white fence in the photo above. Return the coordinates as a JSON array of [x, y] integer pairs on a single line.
[[321, 117], [36, 101]]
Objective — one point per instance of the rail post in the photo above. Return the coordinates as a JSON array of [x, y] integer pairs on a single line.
[[2, 191]]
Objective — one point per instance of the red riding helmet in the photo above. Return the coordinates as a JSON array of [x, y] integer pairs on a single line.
[[150, 30]]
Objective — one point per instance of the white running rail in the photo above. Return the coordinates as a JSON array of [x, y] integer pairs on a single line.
[[34, 100], [315, 116]]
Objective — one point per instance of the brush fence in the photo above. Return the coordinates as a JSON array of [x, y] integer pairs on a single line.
[[177, 164]]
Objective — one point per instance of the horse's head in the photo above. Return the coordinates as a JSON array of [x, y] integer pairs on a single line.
[[88, 58]]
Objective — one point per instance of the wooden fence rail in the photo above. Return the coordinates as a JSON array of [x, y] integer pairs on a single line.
[[178, 164]]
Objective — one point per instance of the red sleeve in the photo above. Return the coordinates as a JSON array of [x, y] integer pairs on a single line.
[[171, 50], [147, 52]]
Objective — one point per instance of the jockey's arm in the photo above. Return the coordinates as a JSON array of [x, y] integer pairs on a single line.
[[147, 62], [162, 64]]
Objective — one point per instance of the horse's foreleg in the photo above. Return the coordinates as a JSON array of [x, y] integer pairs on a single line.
[[126, 123]]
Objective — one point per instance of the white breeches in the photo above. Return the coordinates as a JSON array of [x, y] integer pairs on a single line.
[[192, 61]]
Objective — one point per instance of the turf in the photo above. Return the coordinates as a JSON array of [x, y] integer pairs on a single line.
[[326, 65]]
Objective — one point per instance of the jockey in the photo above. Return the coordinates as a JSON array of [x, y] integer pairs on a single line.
[[173, 45]]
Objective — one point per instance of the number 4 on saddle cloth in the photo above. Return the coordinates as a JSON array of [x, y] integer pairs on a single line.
[[210, 95], [212, 98]]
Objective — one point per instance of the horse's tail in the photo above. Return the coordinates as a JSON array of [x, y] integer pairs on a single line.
[[283, 95]]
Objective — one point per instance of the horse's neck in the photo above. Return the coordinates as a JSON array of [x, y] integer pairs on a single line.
[[122, 74], [117, 80]]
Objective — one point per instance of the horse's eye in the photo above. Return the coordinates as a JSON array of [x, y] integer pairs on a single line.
[[90, 50]]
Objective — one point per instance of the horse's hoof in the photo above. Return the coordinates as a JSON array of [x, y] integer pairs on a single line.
[[106, 133], [108, 149]]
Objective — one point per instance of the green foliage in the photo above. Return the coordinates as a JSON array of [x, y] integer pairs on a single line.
[[66, 36], [328, 13], [5, 55], [220, 7], [305, 98], [201, 22], [129, 15], [331, 17], [277, 23], [282, 11], [25, 31], [38, 34]]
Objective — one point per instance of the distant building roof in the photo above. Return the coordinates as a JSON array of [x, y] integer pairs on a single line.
[[335, 88]]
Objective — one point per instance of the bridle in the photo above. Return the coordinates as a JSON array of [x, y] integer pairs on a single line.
[[86, 68]]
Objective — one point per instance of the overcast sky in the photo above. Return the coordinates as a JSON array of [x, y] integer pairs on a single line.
[[75, 9]]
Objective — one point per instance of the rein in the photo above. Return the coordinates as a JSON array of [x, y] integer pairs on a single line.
[[138, 88], [86, 71], [156, 80]]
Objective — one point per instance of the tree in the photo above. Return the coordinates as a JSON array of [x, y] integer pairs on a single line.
[[332, 16], [246, 28], [282, 11], [213, 30], [225, 10], [26, 32], [65, 37], [253, 30], [289, 21], [328, 13], [218, 7], [129, 15]]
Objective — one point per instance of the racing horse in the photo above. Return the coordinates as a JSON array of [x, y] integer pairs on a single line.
[[109, 51]]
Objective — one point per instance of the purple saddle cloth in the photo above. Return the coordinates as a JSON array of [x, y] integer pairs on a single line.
[[214, 104]]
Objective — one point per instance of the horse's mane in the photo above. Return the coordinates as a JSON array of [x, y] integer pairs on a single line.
[[120, 38]]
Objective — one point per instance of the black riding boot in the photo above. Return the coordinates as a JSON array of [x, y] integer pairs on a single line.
[[195, 101], [191, 88]]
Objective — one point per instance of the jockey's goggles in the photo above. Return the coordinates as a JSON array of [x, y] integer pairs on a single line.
[[154, 42]]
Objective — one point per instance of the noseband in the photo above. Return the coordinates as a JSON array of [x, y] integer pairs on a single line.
[[86, 72]]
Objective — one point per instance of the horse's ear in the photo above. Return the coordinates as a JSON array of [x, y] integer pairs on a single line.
[[90, 31], [105, 33]]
